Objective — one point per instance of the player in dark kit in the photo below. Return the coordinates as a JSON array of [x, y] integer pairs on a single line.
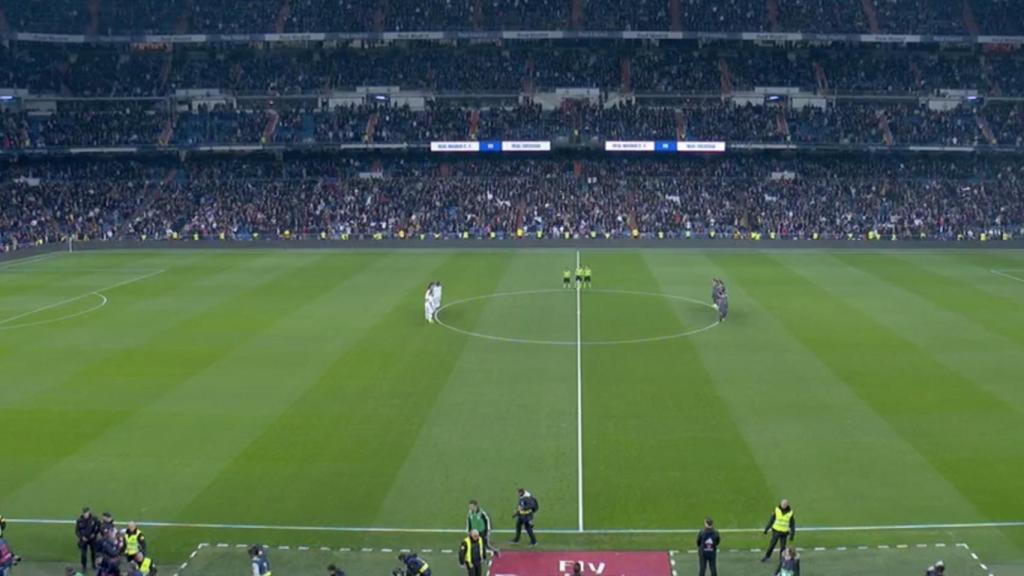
[[716, 288], [721, 298]]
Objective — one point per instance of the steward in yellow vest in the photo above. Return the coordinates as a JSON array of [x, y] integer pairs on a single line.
[[783, 527], [144, 564], [472, 554], [134, 541]]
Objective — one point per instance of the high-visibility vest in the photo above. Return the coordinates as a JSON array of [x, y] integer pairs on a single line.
[[131, 543], [146, 565], [782, 520], [469, 549]]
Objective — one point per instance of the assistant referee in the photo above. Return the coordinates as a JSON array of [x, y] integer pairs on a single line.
[[782, 524]]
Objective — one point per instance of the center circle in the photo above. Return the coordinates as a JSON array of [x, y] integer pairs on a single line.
[[618, 316]]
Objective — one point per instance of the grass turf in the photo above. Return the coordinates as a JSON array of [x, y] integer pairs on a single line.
[[304, 388]]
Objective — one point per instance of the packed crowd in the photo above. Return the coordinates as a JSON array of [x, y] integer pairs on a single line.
[[575, 121], [407, 197], [220, 16], [109, 71]]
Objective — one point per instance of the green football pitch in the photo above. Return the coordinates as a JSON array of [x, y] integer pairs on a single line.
[[299, 398]]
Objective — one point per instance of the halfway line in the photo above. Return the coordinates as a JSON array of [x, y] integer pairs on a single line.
[[579, 402]]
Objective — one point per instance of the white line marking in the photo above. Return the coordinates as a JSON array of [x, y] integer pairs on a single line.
[[399, 530], [579, 403], [36, 258], [573, 342], [48, 307], [98, 293], [66, 270], [1005, 273], [102, 302]]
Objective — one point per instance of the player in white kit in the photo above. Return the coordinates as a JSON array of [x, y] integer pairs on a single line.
[[428, 303], [437, 297]]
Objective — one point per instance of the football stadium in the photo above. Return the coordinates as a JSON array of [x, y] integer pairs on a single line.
[[512, 287]]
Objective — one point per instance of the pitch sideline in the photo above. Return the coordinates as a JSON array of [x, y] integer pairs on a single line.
[[639, 531]]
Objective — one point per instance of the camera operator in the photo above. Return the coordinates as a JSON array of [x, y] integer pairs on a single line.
[[413, 565]]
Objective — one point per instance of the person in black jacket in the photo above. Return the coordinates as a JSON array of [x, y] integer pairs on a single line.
[[707, 547], [87, 530], [525, 509]]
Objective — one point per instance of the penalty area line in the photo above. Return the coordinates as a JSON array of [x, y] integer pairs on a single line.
[[97, 293], [27, 260], [1005, 273]]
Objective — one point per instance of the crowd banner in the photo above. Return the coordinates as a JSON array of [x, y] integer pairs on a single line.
[[492, 146], [663, 146]]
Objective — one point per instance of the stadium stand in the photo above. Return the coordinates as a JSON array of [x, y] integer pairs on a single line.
[[268, 16], [360, 197], [155, 105]]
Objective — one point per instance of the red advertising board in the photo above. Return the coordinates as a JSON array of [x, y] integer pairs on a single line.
[[594, 564]]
